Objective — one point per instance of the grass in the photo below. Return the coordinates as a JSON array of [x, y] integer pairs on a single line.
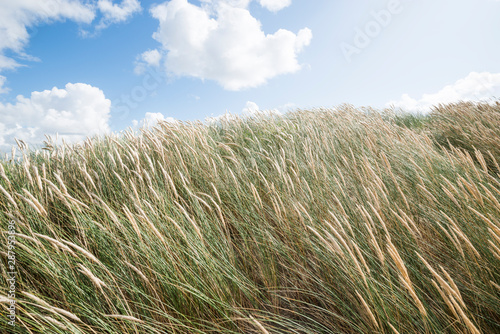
[[321, 221]]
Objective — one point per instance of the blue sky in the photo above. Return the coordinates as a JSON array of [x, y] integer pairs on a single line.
[[83, 67]]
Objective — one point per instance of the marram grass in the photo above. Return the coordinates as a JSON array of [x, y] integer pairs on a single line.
[[322, 221]]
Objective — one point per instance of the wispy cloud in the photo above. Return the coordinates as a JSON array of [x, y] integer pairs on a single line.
[[2, 83], [17, 16]]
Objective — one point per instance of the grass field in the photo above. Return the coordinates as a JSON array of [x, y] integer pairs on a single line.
[[321, 221]]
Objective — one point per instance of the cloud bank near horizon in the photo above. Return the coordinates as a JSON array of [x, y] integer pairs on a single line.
[[74, 112], [483, 86]]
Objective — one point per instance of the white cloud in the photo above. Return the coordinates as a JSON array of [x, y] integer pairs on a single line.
[[16, 16], [275, 5], [222, 41], [115, 13], [475, 87], [151, 119], [7, 63], [75, 112], [150, 58], [2, 82]]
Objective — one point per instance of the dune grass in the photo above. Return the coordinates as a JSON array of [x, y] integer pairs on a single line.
[[321, 221]]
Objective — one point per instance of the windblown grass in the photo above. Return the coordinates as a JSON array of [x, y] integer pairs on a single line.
[[472, 126], [315, 222]]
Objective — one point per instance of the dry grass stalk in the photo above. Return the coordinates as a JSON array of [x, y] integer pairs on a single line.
[[441, 281], [27, 237], [375, 244], [495, 285], [361, 257], [9, 197], [492, 199], [55, 322], [3, 175], [445, 298], [85, 252], [404, 277], [487, 220], [494, 249], [393, 252], [144, 217], [472, 328], [110, 212], [405, 223], [137, 271], [178, 228], [191, 220], [409, 286], [38, 179], [51, 308], [259, 325], [450, 195], [333, 247], [376, 212], [61, 184], [120, 179], [393, 328], [124, 317], [481, 160], [454, 286], [494, 235], [410, 221], [368, 310], [56, 243], [453, 239], [256, 195], [97, 281], [132, 221]]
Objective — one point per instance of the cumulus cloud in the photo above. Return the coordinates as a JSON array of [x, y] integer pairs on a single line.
[[222, 41], [151, 119], [74, 112], [475, 87], [115, 13]]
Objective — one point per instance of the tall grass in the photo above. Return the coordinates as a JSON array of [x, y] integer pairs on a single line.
[[472, 126], [318, 221]]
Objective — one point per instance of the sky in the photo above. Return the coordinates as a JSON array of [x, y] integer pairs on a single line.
[[78, 68]]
